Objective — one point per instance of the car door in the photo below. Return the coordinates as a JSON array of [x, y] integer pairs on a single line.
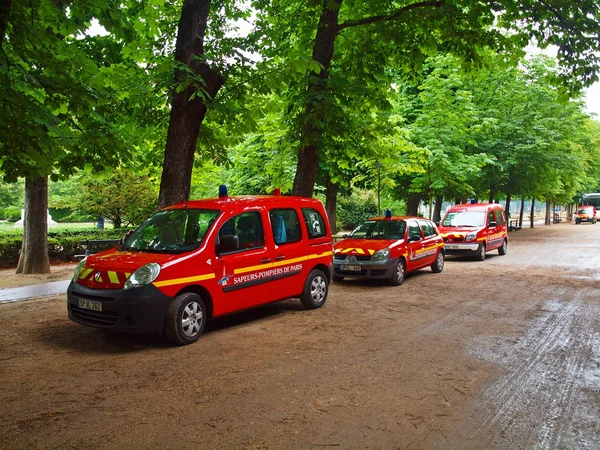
[[243, 262], [289, 252], [494, 235], [416, 245], [430, 241]]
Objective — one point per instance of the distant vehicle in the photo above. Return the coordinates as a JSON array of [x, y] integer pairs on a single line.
[[591, 199], [474, 229], [586, 213], [388, 248], [202, 259]]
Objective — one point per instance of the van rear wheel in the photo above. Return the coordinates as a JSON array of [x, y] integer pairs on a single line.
[[186, 319], [315, 291]]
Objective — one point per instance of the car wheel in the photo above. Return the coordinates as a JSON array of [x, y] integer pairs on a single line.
[[399, 273], [504, 248], [186, 319], [480, 252], [337, 278], [438, 265], [315, 290], [577, 222]]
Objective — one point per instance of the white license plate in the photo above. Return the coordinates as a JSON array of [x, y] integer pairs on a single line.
[[350, 268], [451, 246], [88, 304]]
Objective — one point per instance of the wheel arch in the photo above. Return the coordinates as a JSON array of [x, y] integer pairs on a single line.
[[202, 292], [323, 268]]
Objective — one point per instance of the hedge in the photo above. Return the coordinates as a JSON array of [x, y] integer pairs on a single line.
[[63, 245]]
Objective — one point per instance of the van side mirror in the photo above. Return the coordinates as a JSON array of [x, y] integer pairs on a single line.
[[493, 224], [228, 243], [346, 235], [437, 224], [124, 238]]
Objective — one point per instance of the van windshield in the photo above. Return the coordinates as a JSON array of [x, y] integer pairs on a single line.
[[464, 219], [171, 231], [380, 229]]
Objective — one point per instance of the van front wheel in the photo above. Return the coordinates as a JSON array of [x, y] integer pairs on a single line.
[[186, 319], [480, 252], [315, 290]]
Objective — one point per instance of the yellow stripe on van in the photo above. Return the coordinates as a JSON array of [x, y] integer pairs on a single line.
[[207, 276], [284, 262]]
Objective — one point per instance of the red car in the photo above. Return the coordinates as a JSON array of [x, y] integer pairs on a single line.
[[474, 229], [388, 248], [202, 259]]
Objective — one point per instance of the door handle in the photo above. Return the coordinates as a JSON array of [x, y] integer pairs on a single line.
[[266, 260], [279, 258]]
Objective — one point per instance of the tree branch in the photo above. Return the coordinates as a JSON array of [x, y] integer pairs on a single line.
[[394, 16]]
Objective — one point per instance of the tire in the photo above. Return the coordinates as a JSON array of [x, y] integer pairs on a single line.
[[577, 222], [399, 273], [186, 319], [503, 248], [438, 265], [480, 252], [337, 278], [315, 291]]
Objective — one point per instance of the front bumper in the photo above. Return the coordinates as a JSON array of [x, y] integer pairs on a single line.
[[138, 310], [460, 248], [368, 269]]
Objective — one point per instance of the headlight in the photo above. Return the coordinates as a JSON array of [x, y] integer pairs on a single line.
[[470, 236], [143, 276], [78, 270], [381, 255]]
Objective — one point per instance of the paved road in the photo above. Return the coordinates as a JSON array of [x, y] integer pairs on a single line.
[[33, 291]]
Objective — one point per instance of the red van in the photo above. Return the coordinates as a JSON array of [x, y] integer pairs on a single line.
[[202, 259], [585, 213], [388, 248], [474, 229]]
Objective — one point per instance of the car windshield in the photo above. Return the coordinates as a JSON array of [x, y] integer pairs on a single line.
[[464, 219], [171, 231], [584, 211], [380, 229]]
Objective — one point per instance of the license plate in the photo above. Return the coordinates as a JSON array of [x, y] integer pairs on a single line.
[[451, 246], [88, 304], [350, 268]]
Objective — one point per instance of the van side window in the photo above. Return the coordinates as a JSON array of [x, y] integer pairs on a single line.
[[491, 217], [414, 230], [247, 227], [427, 227], [314, 223], [285, 226], [499, 217]]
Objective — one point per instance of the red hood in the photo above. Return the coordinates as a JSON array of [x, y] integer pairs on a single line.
[[111, 268], [352, 246]]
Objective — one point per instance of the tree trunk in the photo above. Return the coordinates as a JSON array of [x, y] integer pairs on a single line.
[[492, 194], [531, 217], [34, 251], [312, 127], [547, 218], [331, 205], [507, 207], [437, 212], [412, 204], [522, 212], [4, 11], [187, 113]]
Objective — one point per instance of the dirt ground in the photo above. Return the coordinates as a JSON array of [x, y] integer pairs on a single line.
[[500, 354]]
